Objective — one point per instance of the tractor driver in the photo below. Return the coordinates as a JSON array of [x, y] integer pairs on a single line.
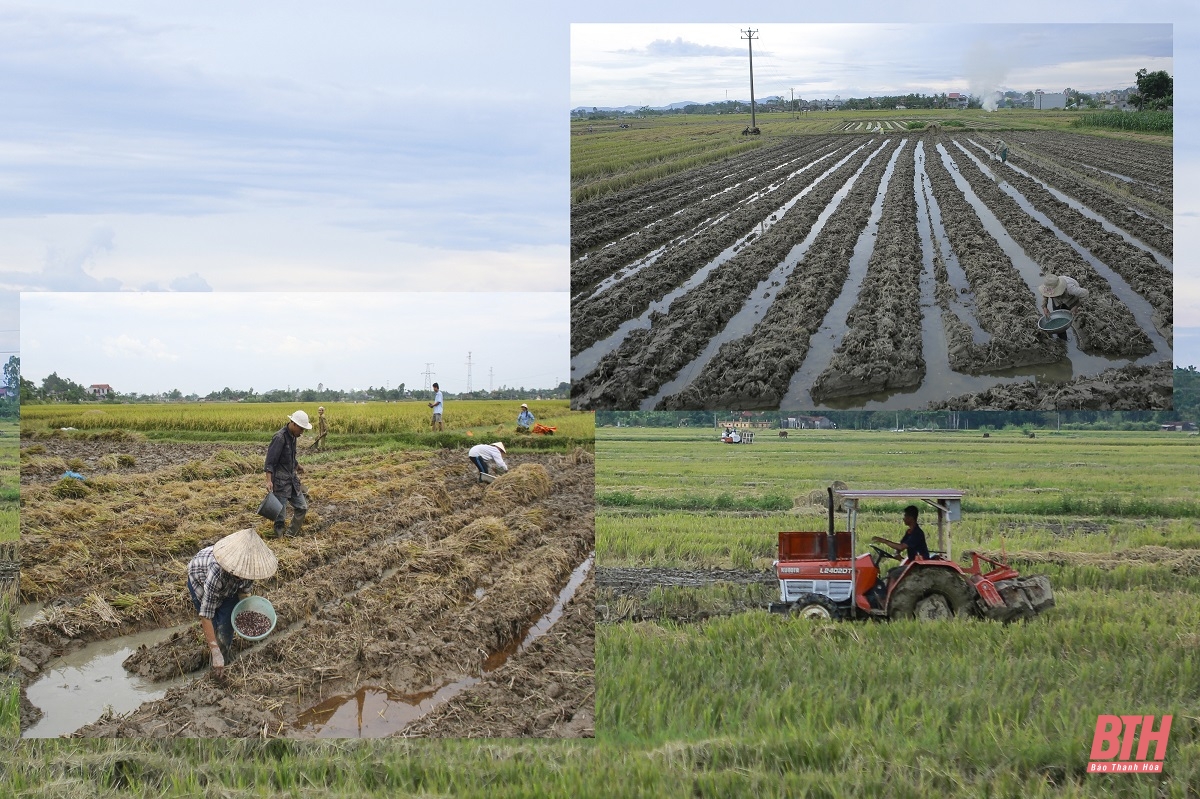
[[914, 536]]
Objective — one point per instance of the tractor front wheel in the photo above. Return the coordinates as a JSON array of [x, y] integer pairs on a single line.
[[814, 606], [929, 594]]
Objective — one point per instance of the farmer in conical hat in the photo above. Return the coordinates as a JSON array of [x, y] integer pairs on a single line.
[[483, 454], [221, 575], [283, 473], [1061, 292]]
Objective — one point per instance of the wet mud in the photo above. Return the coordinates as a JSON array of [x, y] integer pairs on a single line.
[[1127, 388], [594, 318], [755, 370], [693, 212], [650, 358], [1104, 324], [406, 574]]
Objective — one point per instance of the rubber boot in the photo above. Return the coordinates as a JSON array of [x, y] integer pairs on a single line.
[[297, 520]]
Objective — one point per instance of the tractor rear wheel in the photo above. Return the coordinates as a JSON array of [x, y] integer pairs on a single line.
[[929, 594], [814, 606]]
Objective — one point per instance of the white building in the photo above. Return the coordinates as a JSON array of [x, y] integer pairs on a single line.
[[1043, 101]]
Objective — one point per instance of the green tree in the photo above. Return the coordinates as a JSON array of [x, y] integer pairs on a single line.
[[1155, 90], [12, 373]]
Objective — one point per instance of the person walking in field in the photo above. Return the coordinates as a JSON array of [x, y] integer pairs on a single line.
[[283, 473], [524, 419], [322, 431], [217, 578], [436, 405], [483, 454]]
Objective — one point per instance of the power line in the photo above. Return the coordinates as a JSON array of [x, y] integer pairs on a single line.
[[749, 37], [428, 376]]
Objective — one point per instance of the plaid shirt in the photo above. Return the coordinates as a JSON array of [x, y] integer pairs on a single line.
[[212, 583]]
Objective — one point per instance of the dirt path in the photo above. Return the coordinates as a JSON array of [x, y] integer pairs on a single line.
[[650, 358], [406, 571], [1129, 388]]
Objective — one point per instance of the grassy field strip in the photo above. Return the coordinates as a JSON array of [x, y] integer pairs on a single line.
[[1015, 703]]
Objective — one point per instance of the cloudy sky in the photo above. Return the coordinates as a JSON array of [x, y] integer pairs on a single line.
[[658, 64], [379, 146], [153, 342]]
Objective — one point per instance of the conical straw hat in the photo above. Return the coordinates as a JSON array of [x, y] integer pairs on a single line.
[[245, 555]]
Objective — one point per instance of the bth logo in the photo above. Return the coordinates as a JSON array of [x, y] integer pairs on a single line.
[[1113, 744]]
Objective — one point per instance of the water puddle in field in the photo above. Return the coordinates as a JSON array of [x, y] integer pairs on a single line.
[[1137, 305], [76, 689], [742, 323], [374, 712], [1162, 259], [929, 221], [30, 612], [587, 360], [823, 343], [1128, 179], [1030, 272]]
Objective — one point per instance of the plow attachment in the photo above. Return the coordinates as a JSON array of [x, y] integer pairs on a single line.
[[1015, 599]]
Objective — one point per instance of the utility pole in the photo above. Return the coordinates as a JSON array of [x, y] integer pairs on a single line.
[[490, 370], [749, 37], [793, 91], [428, 376], [468, 373]]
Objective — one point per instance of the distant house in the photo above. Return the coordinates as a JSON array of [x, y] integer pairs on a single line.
[[808, 423], [1047, 100], [1178, 427], [100, 390], [956, 100]]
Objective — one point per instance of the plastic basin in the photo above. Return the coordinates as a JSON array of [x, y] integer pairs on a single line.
[[1056, 322], [259, 604]]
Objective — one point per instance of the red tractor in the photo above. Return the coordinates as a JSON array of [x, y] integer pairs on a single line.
[[820, 577]]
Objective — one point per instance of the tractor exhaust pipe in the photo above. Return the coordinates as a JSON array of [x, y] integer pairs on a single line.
[[830, 542]]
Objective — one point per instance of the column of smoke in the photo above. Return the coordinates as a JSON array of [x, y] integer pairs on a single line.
[[986, 70]]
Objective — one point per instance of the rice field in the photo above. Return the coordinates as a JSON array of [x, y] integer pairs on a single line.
[[965, 708], [344, 419]]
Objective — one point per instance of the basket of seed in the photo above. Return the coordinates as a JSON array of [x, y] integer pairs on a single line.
[[253, 618]]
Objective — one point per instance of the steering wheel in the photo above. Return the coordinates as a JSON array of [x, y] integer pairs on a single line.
[[882, 553]]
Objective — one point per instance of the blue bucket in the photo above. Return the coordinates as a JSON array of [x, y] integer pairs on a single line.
[[255, 603]]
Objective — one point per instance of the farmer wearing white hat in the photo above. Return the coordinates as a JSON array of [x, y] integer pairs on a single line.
[[283, 472], [1061, 292], [524, 420], [220, 575], [483, 454]]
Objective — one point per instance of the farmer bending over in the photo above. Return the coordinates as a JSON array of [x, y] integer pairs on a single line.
[[483, 454], [220, 575], [1062, 292]]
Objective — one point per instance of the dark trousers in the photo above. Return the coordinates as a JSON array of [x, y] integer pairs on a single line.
[[222, 621], [299, 508], [480, 464]]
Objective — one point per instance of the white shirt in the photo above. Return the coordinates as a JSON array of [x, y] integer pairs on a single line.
[[437, 402], [488, 453]]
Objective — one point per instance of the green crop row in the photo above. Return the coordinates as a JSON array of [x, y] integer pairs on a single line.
[[1148, 121]]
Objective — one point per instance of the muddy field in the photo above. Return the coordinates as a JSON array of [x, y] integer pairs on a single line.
[[415, 601], [891, 270]]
